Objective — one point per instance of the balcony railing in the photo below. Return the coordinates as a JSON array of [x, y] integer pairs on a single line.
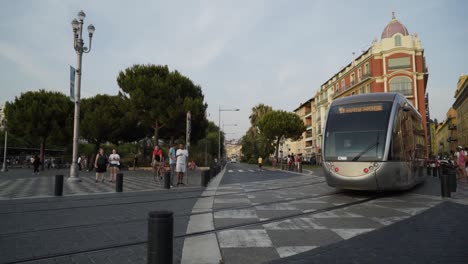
[[364, 77]]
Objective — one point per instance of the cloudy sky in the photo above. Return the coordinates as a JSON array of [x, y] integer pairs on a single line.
[[240, 52]]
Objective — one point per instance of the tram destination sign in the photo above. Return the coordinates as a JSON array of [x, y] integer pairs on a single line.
[[347, 109]]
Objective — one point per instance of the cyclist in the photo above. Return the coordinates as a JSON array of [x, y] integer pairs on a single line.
[[157, 161]]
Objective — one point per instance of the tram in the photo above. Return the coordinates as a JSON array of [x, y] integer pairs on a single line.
[[374, 142]]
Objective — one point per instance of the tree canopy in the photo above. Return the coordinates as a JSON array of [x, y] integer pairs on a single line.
[[161, 98], [107, 118], [277, 124], [40, 118]]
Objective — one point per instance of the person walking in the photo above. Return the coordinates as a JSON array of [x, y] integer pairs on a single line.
[[36, 163], [114, 163], [157, 160], [260, 163], [100, 163], [172, 162], [181, 164], [460, 159]]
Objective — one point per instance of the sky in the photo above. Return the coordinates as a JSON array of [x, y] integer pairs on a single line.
[[240, 52]]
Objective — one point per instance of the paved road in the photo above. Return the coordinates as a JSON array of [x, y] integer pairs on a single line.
[[17, 183], [101, 228], [278, 215]]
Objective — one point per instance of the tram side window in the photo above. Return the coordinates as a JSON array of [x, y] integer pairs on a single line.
[[396, 148]]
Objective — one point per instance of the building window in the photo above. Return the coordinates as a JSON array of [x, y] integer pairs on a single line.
[[337, 87], [401, 85], [397, 40], [367, 90], [352, 78], [359, 74], [342, 84], [399, 63]]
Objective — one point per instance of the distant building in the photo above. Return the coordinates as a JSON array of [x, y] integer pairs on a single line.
[[306, 144], [446, 134], [461, 107]]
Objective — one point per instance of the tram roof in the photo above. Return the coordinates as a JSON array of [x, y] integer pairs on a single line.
[[372, 97]]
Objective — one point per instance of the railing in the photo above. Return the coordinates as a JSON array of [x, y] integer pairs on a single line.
[[354, 83]]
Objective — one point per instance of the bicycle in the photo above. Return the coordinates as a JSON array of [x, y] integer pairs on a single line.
[[158, 173]]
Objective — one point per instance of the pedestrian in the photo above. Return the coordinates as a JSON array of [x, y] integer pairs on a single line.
[[100, 163], [181, 164], [79, 163], [460, 161], [172, 162], [260, 162], [157, 160], [114, 163], [36, 162]]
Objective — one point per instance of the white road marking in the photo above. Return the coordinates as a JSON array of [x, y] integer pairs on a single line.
[[389, 220], [349, 233], [239, 200], [294, 224], [284, 252], [244, 238], [251, 170], [230, 171], [241, 170], [236, 214]]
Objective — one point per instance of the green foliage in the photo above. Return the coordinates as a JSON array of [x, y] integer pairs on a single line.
[[258, 112], [40, 118], [255, 144], [108, 118], [161, 99], [277, 124]]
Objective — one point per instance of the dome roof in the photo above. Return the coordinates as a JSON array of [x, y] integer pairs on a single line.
[[394, 27]]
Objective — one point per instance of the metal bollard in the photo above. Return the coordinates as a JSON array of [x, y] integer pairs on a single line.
[[444, 186], [167, 180], [58, 185], [205, 178], [429, 170], [452, 179], [435, 171], [300, 167], [119, 182], [160, 237]]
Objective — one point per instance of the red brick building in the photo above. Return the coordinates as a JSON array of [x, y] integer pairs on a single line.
[[395, 63]]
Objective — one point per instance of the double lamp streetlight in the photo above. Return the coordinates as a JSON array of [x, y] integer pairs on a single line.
[[78, 45]]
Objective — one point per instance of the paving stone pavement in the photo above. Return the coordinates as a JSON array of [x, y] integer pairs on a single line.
[[258, 243], [19, 183]]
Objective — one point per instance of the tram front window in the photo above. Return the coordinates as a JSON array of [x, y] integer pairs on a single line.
[[357, 132]]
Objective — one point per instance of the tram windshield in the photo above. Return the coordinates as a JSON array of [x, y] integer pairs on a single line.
[[357, 132]]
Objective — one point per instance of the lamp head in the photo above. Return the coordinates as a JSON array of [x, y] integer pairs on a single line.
[[91, 29], [75, 24], [81, 15]]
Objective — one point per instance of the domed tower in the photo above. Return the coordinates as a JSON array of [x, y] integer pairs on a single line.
[[394, 27]]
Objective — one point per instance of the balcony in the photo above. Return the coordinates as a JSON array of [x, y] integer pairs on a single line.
[[452, 127], [364, 77]]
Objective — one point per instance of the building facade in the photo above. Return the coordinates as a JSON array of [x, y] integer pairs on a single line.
[[446, 134], [305, 145], [461, 108], [2, 116]]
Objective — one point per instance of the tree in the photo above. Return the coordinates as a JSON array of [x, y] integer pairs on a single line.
[[277, 124], [162, 98], [108, 118], [258, 112], [41, 117]]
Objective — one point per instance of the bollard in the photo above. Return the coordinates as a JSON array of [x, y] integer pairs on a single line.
[[429, 170], [205, 178], [119, 182], [212, 172], [300, 167], [434, 172], [452, 179], [58, 185], [167, 180], [444, 186], [160, 237]]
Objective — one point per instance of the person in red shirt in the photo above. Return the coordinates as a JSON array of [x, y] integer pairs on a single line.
[[158, 158]]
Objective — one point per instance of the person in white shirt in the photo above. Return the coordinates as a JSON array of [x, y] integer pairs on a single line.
[[114, 163], [181, 164]]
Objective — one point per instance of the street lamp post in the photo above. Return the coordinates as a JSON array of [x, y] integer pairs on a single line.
[[219, 130], [4, 168], [79, 47]]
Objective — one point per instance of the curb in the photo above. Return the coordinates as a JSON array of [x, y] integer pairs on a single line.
[[204, 248]]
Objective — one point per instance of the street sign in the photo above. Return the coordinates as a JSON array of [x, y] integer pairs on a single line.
[[72, 83]]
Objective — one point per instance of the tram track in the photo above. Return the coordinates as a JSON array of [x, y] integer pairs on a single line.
[[12, 234], [216, 230], [159, 200]]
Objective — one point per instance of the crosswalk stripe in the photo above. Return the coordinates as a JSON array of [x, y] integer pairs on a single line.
[[230, 171], [251, 170], [241, 170]]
